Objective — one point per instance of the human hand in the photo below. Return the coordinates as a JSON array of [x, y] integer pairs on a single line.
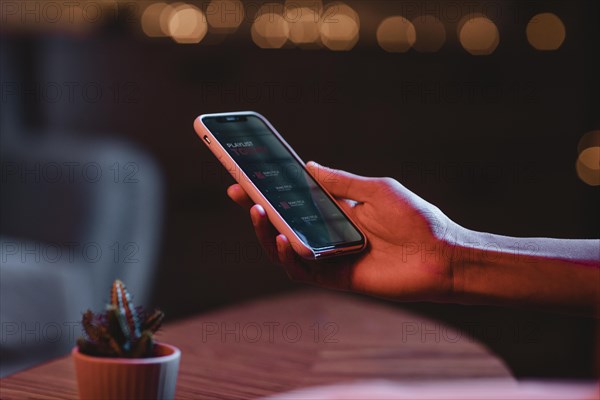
[[407, 257]]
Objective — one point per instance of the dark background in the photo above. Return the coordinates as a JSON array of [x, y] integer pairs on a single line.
[[491, 140]]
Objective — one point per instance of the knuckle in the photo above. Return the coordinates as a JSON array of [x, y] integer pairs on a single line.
[[388, 182]]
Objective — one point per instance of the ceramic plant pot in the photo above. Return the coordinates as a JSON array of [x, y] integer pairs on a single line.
[[128, 378]]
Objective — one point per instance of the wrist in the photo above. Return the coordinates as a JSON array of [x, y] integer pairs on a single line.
[[460, 255]]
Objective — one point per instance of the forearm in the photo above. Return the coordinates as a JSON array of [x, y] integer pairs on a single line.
[[554, 274]]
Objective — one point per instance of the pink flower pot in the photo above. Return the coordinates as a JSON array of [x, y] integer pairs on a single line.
[[128, 378]]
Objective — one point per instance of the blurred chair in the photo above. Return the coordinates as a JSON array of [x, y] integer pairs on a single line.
[[74, 215]]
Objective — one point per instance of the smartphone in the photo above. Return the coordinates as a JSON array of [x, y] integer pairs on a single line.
[[275, 177]]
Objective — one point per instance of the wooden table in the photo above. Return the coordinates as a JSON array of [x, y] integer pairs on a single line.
[[291, 341]]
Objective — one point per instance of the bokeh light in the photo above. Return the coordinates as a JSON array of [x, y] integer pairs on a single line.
[[339, 27], [588, 162], [165, 16], [590, 157], [225, 16], [396, 34], [150, 20], [588, 166], [270, 30], [303, 18], [546, 32], [187, 24], [590, 139], [478, 34], [431, 34]]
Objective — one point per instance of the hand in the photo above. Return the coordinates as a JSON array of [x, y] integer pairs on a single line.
[[407, 257]]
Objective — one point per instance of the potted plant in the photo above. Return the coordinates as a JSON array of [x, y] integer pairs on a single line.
[[118, 358]]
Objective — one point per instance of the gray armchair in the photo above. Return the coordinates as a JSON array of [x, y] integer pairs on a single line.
[[74, 215]]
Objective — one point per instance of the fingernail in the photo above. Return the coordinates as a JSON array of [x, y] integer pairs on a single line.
[[280, 246], [260, 210], [256, 213]]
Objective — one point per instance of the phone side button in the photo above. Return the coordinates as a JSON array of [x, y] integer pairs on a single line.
[[207, 139]]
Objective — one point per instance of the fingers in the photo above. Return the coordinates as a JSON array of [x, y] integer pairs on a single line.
[[342, 184], [237, 194], [265, 232], [290, 260], [348, 206], [333, 275]]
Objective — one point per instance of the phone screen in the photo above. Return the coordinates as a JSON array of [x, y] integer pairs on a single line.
[[306, 208]]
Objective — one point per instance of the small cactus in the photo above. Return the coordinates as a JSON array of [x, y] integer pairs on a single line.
[[122, 330]]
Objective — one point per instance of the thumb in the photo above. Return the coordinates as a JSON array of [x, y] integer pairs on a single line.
[[340, 183]]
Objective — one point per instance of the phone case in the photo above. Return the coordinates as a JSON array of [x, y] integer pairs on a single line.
[[304, 250]]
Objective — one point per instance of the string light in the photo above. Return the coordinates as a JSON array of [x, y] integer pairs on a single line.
[[339, 27], [588, 162], [270, 30], [546, 32], [225, 16], [478, 35], [303, 19], [187, 24], [396, 34], [150, 20]]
